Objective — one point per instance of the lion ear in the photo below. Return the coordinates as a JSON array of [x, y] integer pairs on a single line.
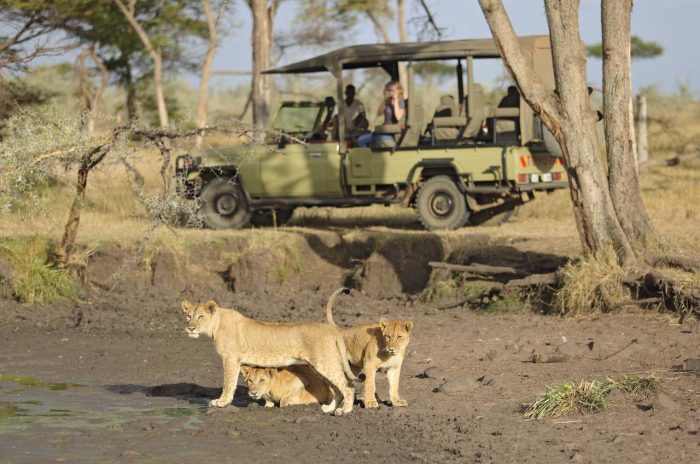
[[211, 306], [186, 306], [271, 371], [383, 323], [408, 325], [245, 370]]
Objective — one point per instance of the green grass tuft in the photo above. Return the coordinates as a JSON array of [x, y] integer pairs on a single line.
[[35, 280], [587, 397], [567, 398]]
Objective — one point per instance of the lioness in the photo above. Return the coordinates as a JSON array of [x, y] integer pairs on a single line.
[[240, 340], [286, 386], [373, 347]]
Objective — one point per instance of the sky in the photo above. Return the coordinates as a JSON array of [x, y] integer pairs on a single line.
[[671, 23]]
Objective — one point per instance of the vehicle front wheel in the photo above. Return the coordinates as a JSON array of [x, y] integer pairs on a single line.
[[271, 217], [224, 205], [440, 204]]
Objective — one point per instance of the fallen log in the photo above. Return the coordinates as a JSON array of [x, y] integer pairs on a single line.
[[534, 280], [689, 154], [681, 262], [481, 269]]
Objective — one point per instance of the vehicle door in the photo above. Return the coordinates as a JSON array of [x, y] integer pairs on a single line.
[[301, 170]]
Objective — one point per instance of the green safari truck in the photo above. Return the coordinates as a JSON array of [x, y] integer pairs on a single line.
[[457, 161]]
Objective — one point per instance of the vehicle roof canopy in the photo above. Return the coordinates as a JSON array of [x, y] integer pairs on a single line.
[[373, 55]]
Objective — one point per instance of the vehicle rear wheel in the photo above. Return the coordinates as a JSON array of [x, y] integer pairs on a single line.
[[268, 217], [224, 205], [440, 204]]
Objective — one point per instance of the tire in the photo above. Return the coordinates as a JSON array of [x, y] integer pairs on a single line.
[[491, 219], [224, 205], [264, 217], [440, 204]]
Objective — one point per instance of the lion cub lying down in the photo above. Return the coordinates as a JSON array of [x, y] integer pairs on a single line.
[[286, 386], [373, 347], [240, 340]]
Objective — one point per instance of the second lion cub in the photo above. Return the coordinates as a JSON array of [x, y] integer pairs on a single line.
[[286, 386], [373, 347]]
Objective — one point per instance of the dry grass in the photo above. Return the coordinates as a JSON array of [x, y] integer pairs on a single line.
[[35, 280], [590, 283]]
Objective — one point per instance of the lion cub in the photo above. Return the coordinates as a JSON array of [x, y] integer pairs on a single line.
[[372, 347], [286, 386]]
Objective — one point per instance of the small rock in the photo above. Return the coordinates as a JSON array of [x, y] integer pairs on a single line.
[[457, 387], [662, 402], [692, 364], [491, 355], [690, 426], [434, 373]]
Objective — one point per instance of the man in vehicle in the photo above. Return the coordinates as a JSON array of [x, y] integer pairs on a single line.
[[355, 119]]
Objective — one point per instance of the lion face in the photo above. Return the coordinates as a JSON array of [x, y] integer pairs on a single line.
[[198, 317], [258, 380], [396, 335]]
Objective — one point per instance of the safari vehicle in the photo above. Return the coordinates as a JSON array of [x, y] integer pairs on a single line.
[[463, 164]]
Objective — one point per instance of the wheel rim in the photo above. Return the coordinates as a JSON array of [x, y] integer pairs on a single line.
[[226, 204], [441, 204]]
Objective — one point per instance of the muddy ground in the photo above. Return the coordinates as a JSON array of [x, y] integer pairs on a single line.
[[113, 378]]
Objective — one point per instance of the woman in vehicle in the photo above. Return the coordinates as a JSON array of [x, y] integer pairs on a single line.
[[393, 107]]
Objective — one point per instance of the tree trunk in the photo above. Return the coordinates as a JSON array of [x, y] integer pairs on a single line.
[[212, 26], [158, 82], [378, 26], [99, 91], [70, 232], [130, 88], [568, 115], [642, 141], [261, 41], [617, 95], [155, 56], [403, 37]]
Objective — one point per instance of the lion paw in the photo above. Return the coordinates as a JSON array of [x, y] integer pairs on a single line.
[[218, 403], [399, 402], [371, 404]]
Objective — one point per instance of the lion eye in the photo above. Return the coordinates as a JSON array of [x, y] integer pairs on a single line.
[[189, 317], [261, 380], [200, 317], [398, 337]]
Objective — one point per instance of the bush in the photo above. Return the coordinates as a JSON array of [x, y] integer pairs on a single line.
[[35, 280]]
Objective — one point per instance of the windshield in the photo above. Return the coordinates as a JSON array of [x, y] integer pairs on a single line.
[[297, 119]]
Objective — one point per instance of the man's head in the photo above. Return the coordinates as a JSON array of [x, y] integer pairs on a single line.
[[349, 93]]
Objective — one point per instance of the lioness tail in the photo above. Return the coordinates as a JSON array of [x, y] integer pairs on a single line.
[[331, 300]]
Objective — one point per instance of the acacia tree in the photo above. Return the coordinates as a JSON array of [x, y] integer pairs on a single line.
[[263, 12], [568, 115], [617, 96], [213, 18], [155, 53], [607, 205]]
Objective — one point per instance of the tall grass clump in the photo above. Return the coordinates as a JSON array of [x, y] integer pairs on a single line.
[[587, 397], [35, 279], [591, 284], [567, 398]]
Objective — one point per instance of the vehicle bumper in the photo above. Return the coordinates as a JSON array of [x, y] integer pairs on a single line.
[[536, 186]]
